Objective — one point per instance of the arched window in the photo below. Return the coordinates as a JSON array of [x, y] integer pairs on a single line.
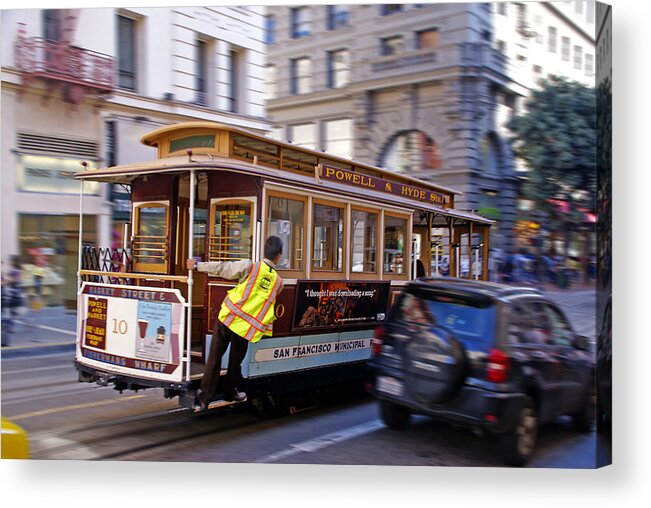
[[410, 151]]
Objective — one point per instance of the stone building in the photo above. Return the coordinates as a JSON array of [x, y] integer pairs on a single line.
[[424, 89]]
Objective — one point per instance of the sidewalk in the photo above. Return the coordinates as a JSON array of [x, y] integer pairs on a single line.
[[49, 330], [548, 287]]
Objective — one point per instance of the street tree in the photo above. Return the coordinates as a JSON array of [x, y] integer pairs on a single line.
[[556, 139]]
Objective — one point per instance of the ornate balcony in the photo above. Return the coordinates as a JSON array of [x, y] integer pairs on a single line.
[[76, 70]]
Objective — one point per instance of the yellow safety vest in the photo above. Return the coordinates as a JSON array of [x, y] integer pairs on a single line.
[[248, 309]]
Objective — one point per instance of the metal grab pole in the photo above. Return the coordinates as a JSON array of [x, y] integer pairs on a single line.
[[81, 232], [476, 271], [188, 339], [413, 253]]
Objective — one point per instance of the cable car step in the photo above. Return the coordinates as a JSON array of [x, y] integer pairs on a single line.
[[215, 404]]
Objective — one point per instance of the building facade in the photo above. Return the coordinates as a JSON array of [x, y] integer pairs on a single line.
[[424, 89], [85, 85]]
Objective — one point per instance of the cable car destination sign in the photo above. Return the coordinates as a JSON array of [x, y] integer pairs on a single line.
[[381, 185]]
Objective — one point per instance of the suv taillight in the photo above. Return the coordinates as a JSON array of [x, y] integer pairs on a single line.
[[376, 341], [497, 366]]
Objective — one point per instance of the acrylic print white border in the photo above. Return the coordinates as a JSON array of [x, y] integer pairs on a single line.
[[623, 484]]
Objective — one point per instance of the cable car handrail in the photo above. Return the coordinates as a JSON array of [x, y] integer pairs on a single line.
[[149, 249], [128, 275]]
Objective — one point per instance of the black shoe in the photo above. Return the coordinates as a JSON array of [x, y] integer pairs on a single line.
[[235, 397], [200, 400]]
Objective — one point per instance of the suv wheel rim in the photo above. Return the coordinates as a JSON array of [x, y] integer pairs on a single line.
[[526, 432]]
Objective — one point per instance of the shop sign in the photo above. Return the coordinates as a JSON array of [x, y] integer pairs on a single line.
[[333, 304], [48, 174], [386, 186], [132, 328]]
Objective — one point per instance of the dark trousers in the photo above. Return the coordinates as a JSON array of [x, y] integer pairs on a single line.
[[221, 339]]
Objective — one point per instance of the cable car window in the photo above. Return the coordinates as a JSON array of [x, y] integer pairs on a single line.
[[230, 235], [395, 236], [205, 141], [248, 148], [299, 161], [327, 234], [363, 241], [150, 237], [199, 233], [286, 220]]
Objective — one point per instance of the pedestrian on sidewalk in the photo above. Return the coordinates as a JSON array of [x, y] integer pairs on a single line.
[[246, 315], [12, 297]]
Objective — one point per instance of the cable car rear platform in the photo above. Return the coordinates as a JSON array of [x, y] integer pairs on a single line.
[[259, 389], [124, 382]]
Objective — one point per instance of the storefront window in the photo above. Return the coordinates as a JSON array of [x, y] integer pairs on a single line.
[[328, 238], [231, 236], [395, 236], [287, 221], [48, 249], [363, 242]]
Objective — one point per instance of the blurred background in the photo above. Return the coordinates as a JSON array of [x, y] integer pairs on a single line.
[[496, 100]]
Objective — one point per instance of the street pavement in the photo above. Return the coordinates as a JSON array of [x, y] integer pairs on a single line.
[[48, 330], [51, 331]]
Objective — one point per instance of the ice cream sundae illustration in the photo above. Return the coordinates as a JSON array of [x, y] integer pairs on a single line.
[[160, 335]]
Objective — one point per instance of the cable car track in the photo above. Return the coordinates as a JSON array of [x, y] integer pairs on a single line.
[[232, 425], [64, 443]]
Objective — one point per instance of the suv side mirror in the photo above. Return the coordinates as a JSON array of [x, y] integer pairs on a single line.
[[581, 342]]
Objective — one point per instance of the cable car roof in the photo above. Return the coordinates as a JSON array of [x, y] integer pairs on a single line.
[[221, 141], [209, 146]]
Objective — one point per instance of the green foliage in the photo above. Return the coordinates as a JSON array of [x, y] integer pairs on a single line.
[[556, 137], [490, 213]]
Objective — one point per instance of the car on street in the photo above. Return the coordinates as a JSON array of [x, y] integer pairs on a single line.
[[488, 356]]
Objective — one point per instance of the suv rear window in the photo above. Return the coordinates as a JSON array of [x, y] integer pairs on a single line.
[[473, 326]]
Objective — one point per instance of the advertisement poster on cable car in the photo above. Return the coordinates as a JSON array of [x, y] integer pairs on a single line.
[[324, 304], [154, 320], [132, 328]]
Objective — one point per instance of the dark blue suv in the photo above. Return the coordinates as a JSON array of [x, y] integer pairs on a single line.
[[482, 355]]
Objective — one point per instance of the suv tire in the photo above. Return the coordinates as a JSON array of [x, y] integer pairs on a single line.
[[518, 445], [394, 415]]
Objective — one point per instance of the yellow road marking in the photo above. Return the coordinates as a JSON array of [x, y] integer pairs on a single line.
[[72, 408]]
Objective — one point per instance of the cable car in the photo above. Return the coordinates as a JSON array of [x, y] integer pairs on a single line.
[[353, 236]]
